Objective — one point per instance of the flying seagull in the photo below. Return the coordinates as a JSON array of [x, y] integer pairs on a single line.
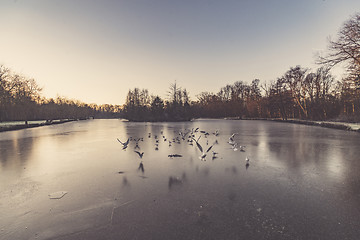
[[214, 155], [140, 154], [203, 153], [183, 134], [231, 138], [194, 131], [125, 144]]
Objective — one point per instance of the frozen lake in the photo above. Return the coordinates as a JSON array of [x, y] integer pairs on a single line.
[[74, 181]]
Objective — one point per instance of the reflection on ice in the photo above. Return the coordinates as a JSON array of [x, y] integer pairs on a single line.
[[176, 181], [141, 167], [125, 182], [232, 169]]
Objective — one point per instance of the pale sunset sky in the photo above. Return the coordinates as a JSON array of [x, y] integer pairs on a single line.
[[95, 51]]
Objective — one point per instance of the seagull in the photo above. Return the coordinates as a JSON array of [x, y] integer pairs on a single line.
[[140, 154], [231, 138], [183, 134], [247, 162], [125, 144], [137, 142], [242, 148], [203, 153], [214, 155], [216, 133], [194, 131], [205, 133], [234, 146]]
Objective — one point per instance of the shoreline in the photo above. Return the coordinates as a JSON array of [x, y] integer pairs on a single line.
[[33, 125], [354, 127]]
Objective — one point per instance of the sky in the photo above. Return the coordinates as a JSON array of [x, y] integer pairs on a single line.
[[95, 51]]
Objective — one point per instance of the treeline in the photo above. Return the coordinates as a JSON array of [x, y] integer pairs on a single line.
[[141, 106], [21, 100], [299, 93]]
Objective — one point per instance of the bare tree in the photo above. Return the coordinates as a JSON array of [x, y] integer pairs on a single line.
[[346, 49], [294, 78]]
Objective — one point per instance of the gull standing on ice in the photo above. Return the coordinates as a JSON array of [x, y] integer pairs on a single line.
[[247, 162]]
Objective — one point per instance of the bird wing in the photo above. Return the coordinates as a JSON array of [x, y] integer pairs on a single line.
[[209, 148], [127, 142], [198, 145], [138, 153], [233, 135], [120, 141], [186, 133]]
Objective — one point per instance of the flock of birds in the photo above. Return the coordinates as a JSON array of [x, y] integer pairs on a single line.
[[188, 136]]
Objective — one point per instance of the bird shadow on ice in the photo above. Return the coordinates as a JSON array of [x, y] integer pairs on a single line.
[[177, 181]]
